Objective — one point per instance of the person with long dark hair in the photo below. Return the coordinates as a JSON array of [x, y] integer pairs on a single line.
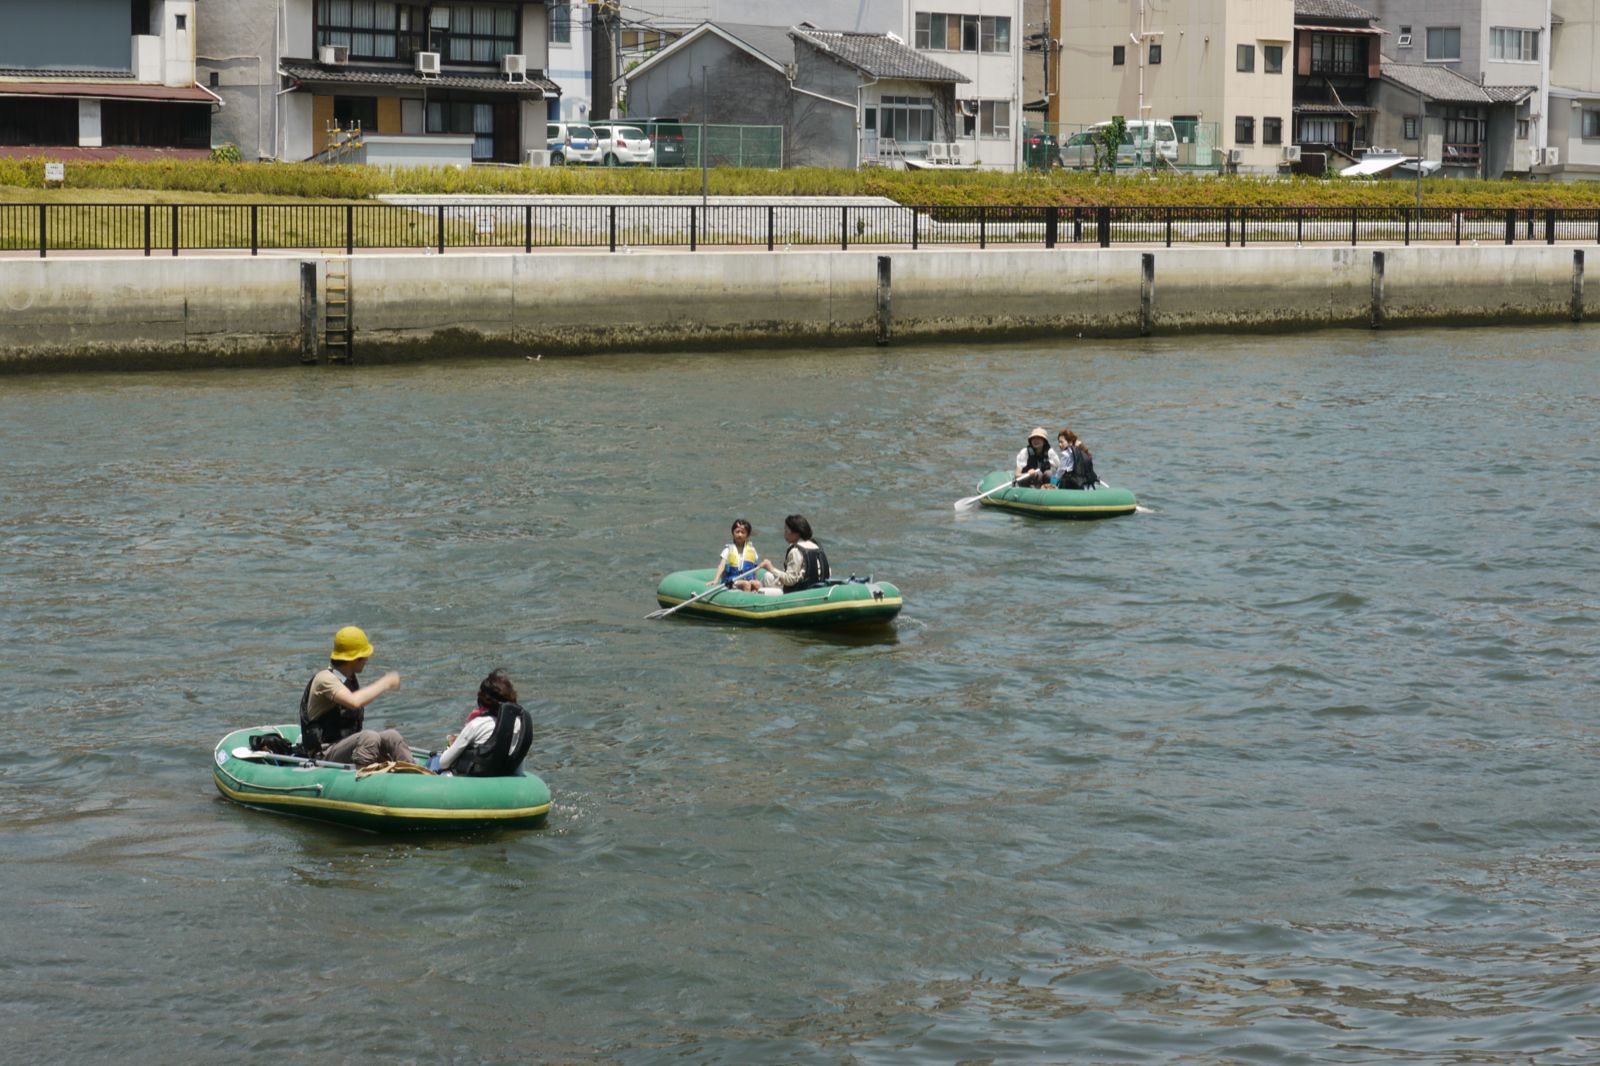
[[477, 734], [804, 562]]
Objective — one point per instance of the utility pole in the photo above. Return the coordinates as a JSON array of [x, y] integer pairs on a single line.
[[602, 28], [1422, 141], [704, 180]]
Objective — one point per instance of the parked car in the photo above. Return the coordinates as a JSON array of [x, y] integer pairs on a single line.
[[1039, 150], [570, 142], [667, 134], [624, 144], [1144, 143]]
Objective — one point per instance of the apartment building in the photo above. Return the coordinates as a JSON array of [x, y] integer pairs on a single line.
[[1222, 64], [1500, 45], [424, 83], [1572, 147], [101, 78]]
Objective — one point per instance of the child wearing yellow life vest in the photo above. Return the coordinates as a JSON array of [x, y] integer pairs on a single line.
[[737, 564]]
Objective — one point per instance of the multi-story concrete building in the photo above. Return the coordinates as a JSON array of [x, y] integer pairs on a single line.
[[571, 27], [1338, 60], [88, 78], [1226, 63], [450, 82], [1501, 45], [1572, 146]]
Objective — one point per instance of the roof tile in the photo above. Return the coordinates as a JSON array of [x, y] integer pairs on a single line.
[[879, 55]]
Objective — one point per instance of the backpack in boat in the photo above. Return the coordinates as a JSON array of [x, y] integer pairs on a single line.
[[272, 744], [502, 755], [1082, 475]]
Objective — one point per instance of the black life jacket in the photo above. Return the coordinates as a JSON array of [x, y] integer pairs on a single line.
[[815, 569], [1082, 475], [332, 726], [502, 754], [1037, 461]]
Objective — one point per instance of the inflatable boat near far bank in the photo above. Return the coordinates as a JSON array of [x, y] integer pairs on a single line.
[[1102, 502], [834, 603], [384, 802]]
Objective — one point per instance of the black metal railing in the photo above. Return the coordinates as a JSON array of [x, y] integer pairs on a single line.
[[172, 229]]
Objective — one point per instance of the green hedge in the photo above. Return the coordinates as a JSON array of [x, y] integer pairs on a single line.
[[913, 187]]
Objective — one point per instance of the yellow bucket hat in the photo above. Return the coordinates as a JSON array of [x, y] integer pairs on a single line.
[[350, 643]]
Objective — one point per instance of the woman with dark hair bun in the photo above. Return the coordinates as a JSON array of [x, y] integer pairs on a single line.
[[493, 692], [804, 562]]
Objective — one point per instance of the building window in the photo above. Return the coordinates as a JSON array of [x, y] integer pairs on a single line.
[[1155, 54], [940, 32], [561, 24], [1272, 131], [1524, 129], [1444, 42], [1246, 58], [213, 79], [907, 119], [1338, 53], [180, 22], [1404, 40], [647, 42], [990, 118], [378, 29], [1591, 123], [1272, 58], [452, 116], [1119, 54], [1516, 46], [1244, 130], [1318, 131], [1410, 128]]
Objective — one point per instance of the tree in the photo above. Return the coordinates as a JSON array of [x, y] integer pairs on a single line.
[[1108, 140]]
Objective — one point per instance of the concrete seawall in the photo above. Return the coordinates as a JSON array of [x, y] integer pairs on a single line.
[[122, 313]]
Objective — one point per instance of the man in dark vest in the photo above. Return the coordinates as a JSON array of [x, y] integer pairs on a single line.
[[332, 709]]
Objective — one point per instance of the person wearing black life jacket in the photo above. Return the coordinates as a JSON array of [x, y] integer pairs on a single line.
[[1037, 461], [1077, 463], [333, 708], [805, 564], [495, 738]]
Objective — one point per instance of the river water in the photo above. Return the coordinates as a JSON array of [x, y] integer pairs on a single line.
[[1297, 767]]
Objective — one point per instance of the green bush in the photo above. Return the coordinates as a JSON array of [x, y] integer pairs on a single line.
[[954, 188]]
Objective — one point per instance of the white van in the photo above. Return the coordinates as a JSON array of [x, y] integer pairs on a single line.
[[1144, 143]]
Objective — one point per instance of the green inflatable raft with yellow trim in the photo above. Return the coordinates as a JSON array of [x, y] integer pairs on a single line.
[[385, 802], [850, 602], [1101, 502]]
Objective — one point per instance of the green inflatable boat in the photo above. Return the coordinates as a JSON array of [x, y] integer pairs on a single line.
[[1102, 502], [384, 802], [851, 602]]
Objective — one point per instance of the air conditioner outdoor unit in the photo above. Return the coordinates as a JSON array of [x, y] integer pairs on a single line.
[[1291, 153], [514, 67], [334, 55], [428, 64], [1236, 155], [1403, 41], [538, 157], [1552, 157]]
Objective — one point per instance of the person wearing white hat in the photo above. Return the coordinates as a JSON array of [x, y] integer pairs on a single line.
[[1037, 461], [333, 706]]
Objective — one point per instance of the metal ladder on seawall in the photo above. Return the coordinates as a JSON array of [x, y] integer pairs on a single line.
[[338, 327]]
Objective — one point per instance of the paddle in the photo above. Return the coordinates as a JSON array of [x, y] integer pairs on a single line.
[[295, 760], [972, 501], [664, 611]]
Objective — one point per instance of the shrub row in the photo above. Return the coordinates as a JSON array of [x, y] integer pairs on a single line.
[[953, 188]]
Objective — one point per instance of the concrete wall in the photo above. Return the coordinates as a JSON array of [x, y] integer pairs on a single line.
[[90, 35], [207, 310]]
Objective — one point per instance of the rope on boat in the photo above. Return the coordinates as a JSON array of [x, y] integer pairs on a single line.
[[392, 768]]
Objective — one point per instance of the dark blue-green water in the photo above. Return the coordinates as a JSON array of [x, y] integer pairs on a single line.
[[1298, 767]]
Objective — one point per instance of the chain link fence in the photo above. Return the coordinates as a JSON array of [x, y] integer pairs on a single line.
[[678, 144]]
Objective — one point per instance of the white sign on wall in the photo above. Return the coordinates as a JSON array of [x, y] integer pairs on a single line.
[[55, 172]]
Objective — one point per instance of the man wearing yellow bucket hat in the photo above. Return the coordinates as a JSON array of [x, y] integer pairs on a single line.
[[333, 706], [1037, 461]]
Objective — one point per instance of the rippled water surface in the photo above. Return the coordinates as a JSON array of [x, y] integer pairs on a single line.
[[1298, 767]]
